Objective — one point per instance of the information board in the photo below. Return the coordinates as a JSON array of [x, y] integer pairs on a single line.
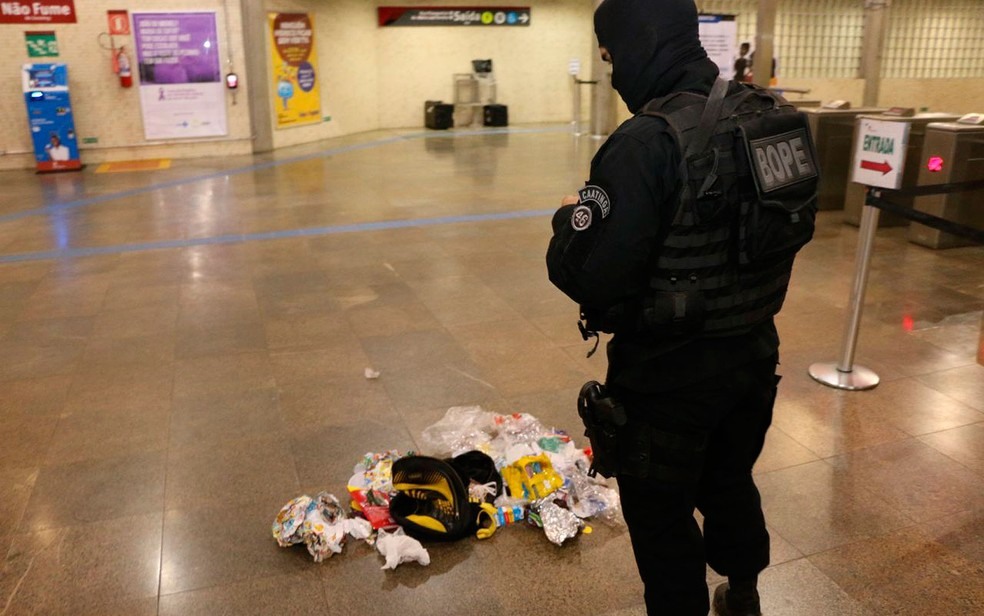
[[182, 92]]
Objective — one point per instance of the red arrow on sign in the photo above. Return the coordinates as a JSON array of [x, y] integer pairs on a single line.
[[870, 166]]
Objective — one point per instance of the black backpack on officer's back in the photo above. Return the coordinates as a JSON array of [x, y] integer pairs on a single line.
[[747, 204]]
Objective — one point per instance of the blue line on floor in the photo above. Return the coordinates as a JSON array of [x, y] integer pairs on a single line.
[[96, 199], [268, 235]]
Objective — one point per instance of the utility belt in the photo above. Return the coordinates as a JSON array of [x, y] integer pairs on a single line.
[[663, 313], [637, 449]]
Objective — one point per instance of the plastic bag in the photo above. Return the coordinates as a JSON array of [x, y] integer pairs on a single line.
[[462, 429], [588, 498]]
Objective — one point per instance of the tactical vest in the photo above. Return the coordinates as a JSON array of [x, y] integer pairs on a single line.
[[747, 204]]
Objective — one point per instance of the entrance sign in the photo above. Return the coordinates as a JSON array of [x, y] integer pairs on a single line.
[[182, 91], [719, 36], [879, 153], [37, 12], [294, 69], [454, 16]]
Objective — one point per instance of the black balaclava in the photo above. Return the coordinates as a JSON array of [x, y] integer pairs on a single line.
[[651, 42]]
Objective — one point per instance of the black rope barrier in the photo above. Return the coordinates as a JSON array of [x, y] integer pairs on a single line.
[[935, 189], [876, 198]]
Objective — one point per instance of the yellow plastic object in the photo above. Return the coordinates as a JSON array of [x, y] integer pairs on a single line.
[[486, 511], [355, 504], [531, 477]]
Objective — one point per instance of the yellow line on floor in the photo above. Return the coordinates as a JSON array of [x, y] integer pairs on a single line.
[[125, 166]]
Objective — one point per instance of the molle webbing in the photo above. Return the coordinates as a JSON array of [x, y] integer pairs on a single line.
[[698, 254]]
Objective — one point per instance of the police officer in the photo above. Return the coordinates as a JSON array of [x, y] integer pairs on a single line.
[[655, 249]]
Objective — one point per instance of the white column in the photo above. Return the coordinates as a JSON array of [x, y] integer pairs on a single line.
[[872, 45], [603, 97], [254, 17], [765, 27]]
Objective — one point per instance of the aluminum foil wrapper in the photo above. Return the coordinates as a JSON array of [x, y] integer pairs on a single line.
[[559, 524]]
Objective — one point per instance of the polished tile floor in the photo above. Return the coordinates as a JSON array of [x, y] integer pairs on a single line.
[[184, 351]]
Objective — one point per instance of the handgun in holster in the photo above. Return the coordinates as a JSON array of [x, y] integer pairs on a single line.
[[602, 415]]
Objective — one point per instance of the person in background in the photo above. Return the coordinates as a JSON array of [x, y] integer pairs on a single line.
[[750, 74], [743, 66]]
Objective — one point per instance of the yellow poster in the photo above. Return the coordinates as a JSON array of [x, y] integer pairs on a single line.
[[296, 92]]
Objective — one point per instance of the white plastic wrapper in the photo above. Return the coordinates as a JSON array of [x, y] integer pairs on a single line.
[[322, 538], [357, 528], [397, 548]]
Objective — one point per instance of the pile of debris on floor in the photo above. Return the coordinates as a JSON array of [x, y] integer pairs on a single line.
[[488, 471]]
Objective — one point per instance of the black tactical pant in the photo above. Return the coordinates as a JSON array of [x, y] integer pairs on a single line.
[[695, 448]]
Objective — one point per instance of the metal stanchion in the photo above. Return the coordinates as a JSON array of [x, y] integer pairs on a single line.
[[576, 123], [844, 374]]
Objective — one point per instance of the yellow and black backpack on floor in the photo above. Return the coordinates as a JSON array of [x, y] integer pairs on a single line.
[[432, 499]]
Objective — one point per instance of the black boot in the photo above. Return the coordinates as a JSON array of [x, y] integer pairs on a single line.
[[744, 602]]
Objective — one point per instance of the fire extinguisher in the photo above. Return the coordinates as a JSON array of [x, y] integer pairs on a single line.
[[121, 66]]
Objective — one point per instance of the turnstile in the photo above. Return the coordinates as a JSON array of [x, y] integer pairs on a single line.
[[833, 133], [952, 152], [854, 194]]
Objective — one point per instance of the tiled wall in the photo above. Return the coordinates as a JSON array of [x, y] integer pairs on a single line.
[[417, 64], [934, 50], [375, 77], [101, 108], [935, 39], [347, 59], [370, 77], [927, 39]]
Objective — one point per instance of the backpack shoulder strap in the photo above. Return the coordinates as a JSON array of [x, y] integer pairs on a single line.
[[708, 119], [692, 119]]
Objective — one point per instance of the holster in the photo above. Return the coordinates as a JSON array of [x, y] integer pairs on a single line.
[[602, 415]]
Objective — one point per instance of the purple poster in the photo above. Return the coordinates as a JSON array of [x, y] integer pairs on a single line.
[[181, 87]]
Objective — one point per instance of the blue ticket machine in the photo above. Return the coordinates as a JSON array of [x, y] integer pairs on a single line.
[[49, 113]]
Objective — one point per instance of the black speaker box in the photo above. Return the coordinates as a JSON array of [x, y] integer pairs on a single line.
[[496, 115], [438, 115]]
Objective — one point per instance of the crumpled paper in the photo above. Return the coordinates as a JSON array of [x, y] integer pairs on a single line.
[[319, 523], [287, 526], [397, 548]]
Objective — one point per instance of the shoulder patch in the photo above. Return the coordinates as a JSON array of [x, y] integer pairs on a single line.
[[597, 195], [581, 218]]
